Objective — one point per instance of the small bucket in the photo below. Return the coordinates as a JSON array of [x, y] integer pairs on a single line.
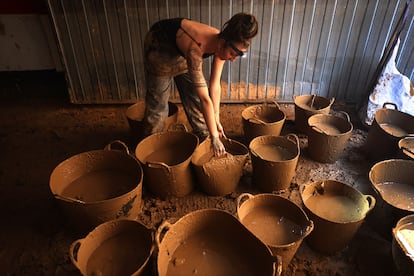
[[274, 160], [276, 221], [308, 105], [327, 136], [212, 242], [406, 146], [393, 180], [337, 210], [387, 129], [403, 245], [135, 115], [117, 247], [265, 119], [98, 186], [165, 158], [219, 176]]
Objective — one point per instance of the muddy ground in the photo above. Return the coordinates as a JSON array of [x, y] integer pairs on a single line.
[[39, 129]]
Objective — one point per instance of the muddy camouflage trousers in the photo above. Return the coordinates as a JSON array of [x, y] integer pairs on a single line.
[[166, 68]]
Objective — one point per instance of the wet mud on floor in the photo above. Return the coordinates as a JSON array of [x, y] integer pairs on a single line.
[[39, 129]]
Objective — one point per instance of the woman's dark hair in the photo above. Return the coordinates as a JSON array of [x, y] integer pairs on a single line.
[[241, 28]]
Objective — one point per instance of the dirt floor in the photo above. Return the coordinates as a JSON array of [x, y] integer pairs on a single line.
[[39, 128]]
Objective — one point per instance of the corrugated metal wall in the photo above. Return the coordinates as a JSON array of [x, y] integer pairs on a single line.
[[327, 47]]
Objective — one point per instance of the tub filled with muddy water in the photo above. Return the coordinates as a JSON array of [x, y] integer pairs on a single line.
[[389, 126], [403, 245], [337, 210], [96, 186], [116, 247], [274, 160], [264, 119], [328, 135], [212, 242], [219, 175], [276, 221], [308, 105], [393, 181], [406, 146], [165, 159]]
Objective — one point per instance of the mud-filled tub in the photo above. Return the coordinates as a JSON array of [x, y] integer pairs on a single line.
[[219, 175], [389, 126], [274, 161], [278, 222], [328, 135], [116, 247], [403, 245], [337, 210], [264, 119], [393, 180], [406, 146], [212, 242], [308, 105], [97, 186], [165, 159]]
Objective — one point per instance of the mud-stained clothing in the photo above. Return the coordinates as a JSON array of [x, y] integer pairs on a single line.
[[165, 66]]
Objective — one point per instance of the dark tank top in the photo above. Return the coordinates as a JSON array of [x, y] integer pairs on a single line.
[[168, 28]]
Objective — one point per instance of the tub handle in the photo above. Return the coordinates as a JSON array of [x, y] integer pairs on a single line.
[[294, 138], [371, 201], [345, 115], [407, 150], [256, 154], [69, 199], [161, 231], [272, 102], [73, 252], [309, 229], [318, 129], [158, 165], [331, 101], [390, 103], [277, 265], [256, 120], [241, 197], [162, 165], [312, 101], [276, 103], [117, 142]]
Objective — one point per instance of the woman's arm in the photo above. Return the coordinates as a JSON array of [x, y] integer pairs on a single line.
[[215, 90], [194, 60]]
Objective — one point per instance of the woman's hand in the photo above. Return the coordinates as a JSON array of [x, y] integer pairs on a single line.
[[217, 146]]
